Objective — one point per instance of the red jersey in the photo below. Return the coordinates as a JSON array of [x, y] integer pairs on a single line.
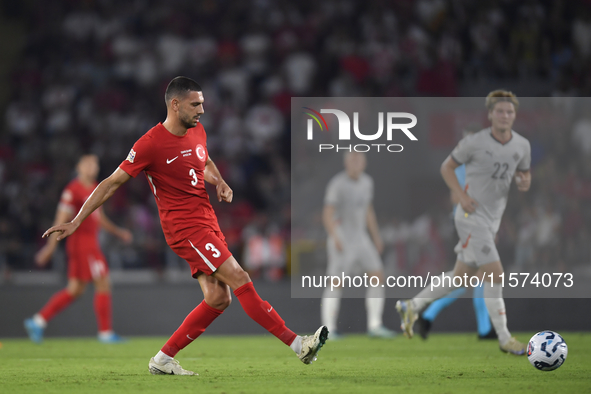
[[175, 169], [72, 199]]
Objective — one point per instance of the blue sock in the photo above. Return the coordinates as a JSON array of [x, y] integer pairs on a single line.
[[438, 305], [482, 318]]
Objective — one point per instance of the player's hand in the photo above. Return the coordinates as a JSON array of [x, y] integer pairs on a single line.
[[224, 192], [125, 235], [468, 203], [43, 256], [523, 180], [64, 230]]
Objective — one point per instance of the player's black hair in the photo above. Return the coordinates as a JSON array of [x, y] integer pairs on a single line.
[[179, 87]]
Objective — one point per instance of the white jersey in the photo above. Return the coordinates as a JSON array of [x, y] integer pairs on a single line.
[[490, 166], [351, 200]]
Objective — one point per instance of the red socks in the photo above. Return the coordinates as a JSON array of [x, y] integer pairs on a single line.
[[61, 299], [203, 315], [193, 326], [56, 304], [263, 313], [103, 311]]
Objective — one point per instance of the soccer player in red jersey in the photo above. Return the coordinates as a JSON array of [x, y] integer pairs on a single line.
[[85, 260], [174, 157]]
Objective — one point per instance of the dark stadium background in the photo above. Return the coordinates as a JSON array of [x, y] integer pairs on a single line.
[[89, 76]]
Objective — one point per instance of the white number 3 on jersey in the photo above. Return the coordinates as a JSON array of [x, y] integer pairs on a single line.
[[194, 175], [216, 253]]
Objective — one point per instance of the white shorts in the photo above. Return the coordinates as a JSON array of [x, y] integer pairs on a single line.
[[476, 246], [357, 257]]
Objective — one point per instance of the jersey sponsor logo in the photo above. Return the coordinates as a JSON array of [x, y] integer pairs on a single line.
[[270, 309], [131, 156], [200, 151], [171, 160], [488, 152]]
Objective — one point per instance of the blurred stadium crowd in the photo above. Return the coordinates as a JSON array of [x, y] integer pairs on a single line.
[[92, 74]]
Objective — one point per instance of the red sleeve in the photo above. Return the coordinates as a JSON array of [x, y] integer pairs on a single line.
[[139, 157], [67, 200]]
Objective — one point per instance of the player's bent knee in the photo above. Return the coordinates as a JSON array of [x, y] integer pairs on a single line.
[[218, 297], [76, 288], [75, 293], [219, 302], [227, 302], [102, 285]]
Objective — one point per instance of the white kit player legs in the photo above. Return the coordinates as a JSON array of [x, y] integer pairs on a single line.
[[344, 263], [338, 262], [476, 244]]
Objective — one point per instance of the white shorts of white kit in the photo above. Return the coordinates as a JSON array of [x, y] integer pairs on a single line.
[[358, 256], [476, 246]]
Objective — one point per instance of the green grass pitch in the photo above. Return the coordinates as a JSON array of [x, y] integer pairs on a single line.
[[446, 363]]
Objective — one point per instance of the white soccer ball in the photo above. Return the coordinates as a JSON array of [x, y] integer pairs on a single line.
[[547, 350]]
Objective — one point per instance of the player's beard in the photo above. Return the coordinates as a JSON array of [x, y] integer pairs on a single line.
[[187, 121]]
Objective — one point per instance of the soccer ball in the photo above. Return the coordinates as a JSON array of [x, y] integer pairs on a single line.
[[547, 350]]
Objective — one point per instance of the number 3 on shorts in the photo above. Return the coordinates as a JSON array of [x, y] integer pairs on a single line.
[[215, 252]]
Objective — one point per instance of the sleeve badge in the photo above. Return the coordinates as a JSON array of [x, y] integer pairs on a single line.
[[131, 156]]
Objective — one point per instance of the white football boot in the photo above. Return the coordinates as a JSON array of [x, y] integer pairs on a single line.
[[513, 346], [170, 368], [407, 317], [311, 345]]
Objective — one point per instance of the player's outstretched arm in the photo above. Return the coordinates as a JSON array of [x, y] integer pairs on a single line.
[[101, 194], [212, 175], [44, 254]]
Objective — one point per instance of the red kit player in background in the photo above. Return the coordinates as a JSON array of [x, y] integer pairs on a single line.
[[85, 260], [174, 157]]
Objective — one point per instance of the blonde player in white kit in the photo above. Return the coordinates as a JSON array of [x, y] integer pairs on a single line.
[[493, 157], [348, 215]]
